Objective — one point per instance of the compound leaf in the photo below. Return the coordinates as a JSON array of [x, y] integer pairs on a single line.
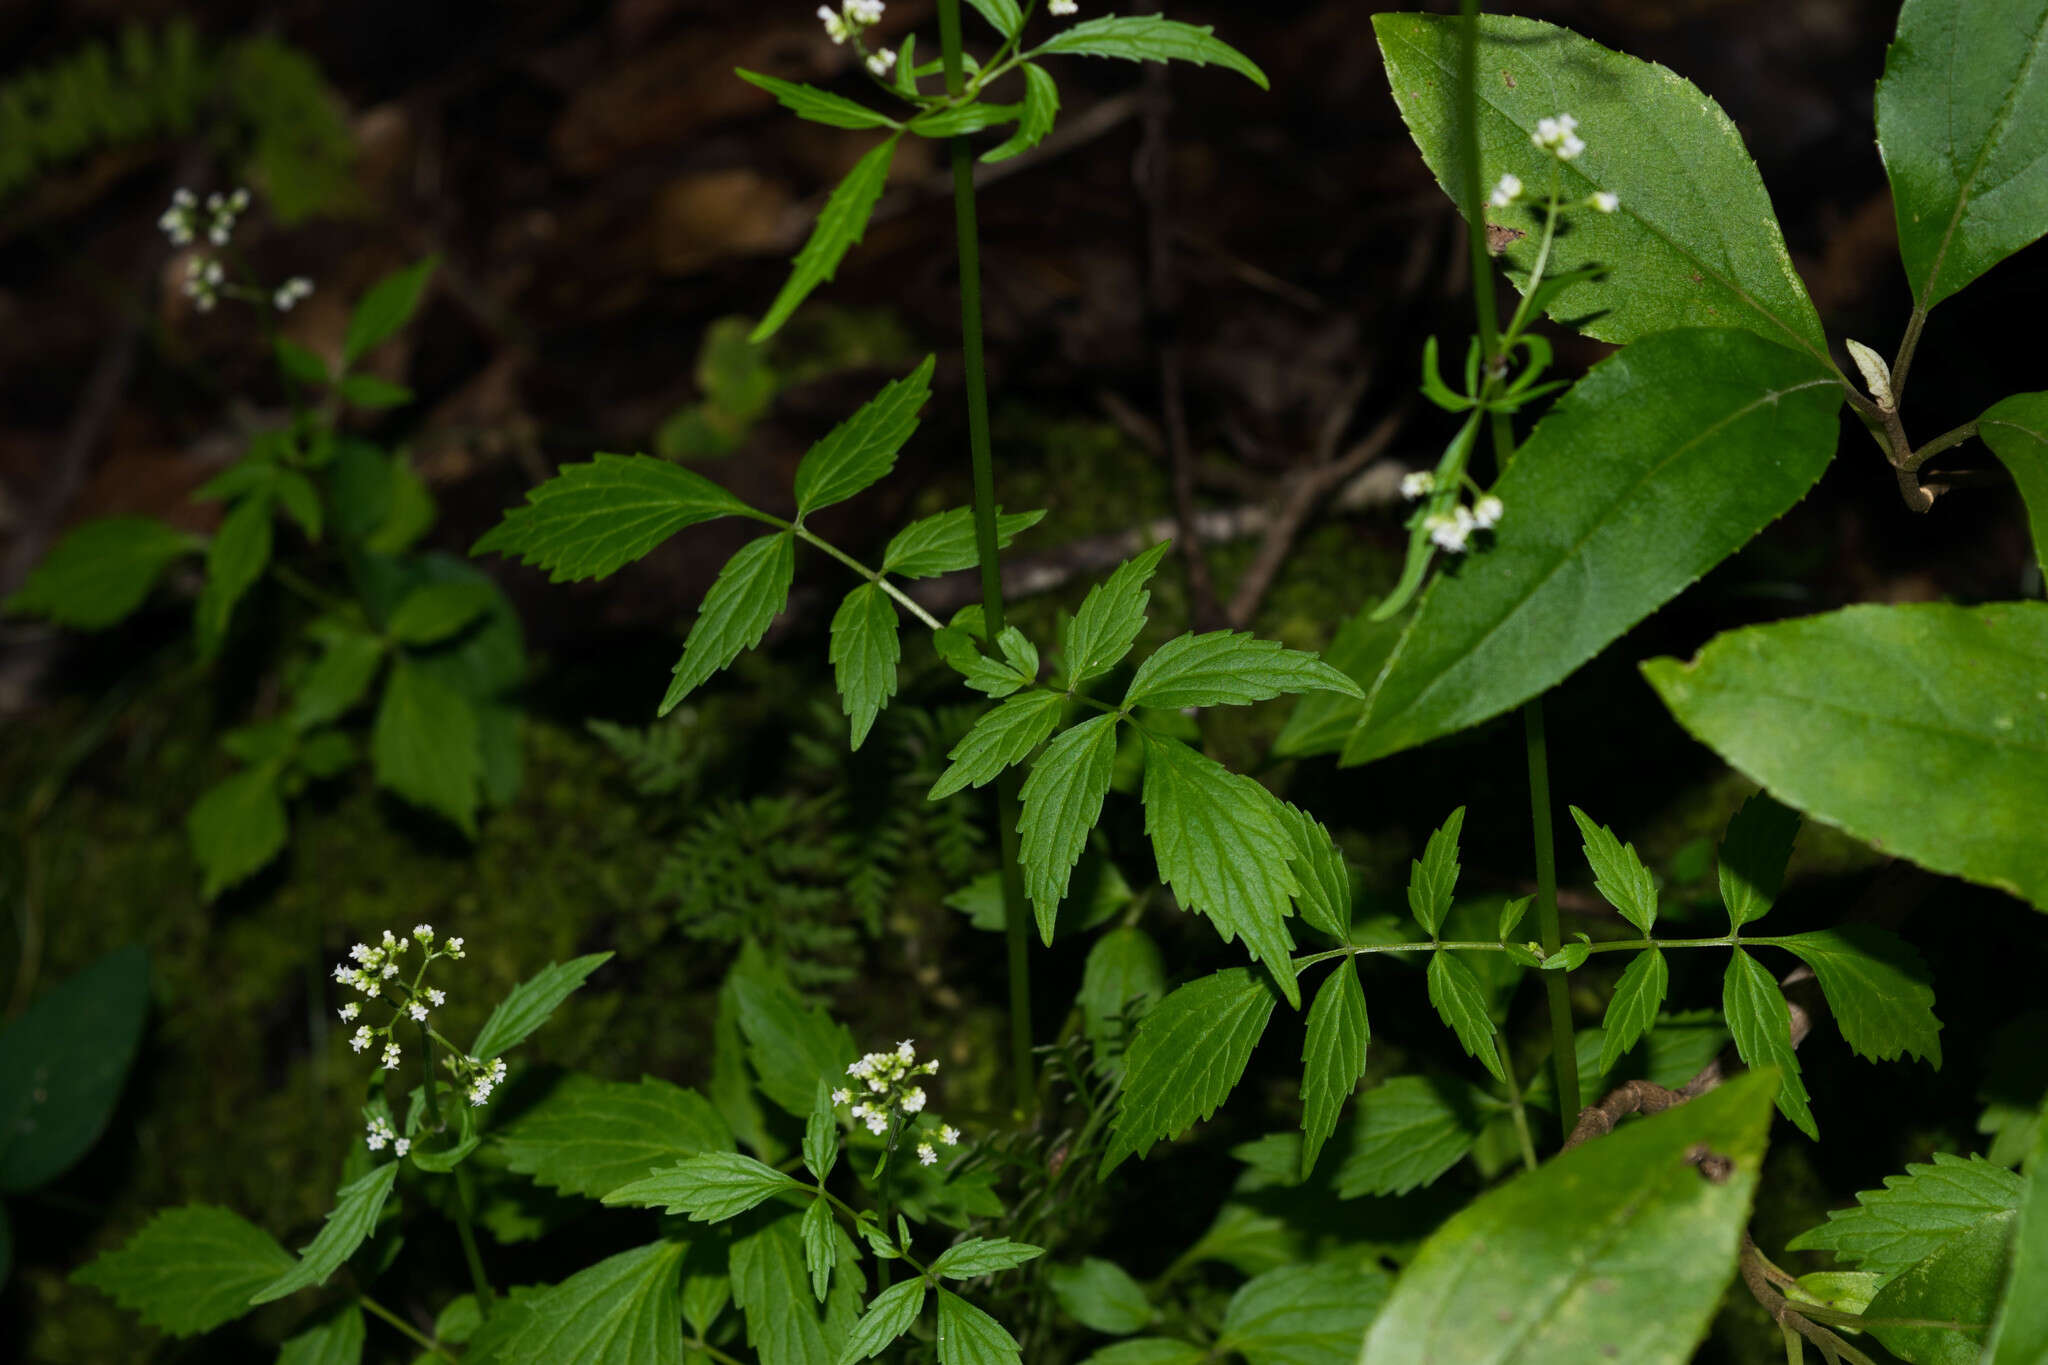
[[593, 519]]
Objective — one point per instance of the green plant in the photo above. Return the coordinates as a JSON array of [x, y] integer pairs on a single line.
[[432, 638]]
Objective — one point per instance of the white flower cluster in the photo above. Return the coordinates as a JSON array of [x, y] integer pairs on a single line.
[[181, 222], [1559, 136], [290, 292], [1509, 188], [380, 1135], [1452, 530], [1059, 9], [484, 1077], [203, 278], [374, 970], [186, 220], [888, 1078], [850, 19]]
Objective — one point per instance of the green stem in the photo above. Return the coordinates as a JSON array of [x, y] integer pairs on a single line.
[[1940, 443], [1557, 991], [465, 1207], [419, 1338], [1016, 914], [1907, 346], [1515, 1107], [1473, 195], [706, 1348], [880, 580]]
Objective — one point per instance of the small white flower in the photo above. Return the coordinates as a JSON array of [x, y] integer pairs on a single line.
[[1060, 9], [183, 198], [877, 1122], [1450, 532], [864, 11], [390, 970], [402, 1146], [906, 1051], [931, 1068], [361, 1039], [1606, 201], [914, 1101], [1486, 512], [1559, 137], [881, 61], [453, 947], [1506, 192], [423, 932], [835, 26], [925, 1155], [361, 952], [390, 1056], [877, 1084], [349, 1011], [438, 998], [417, 1011], [841, 1096], [949, 1135], [344, 974], [1419, 484]]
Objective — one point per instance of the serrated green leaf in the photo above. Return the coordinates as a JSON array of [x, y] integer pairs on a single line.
[[1224, 850], [1019, 653], [968, 1336], [586, 1136], [945, 542], [821, 1136], [2016, 430], [772, 1285], [1697, 249], [1658, 464], [352, 1220], [815, 105], [1035, 116], [63, 1062], [1814, 710], [841, 223], [1149, 38], [710, 1187], [235, 559], [348, 661], [101, 571], [1754, 855], [791, 1044], [1332, 1057], [978, 1256], [750, 592], [621, 1311], [424, 746], [1101, 1295], [1916, 1214], [593, 519], [1878, 989], [1433, 878], [1062, 799], [388, 306], [1461, 1001], [1304, 1314], [301, 502], [819, 1247], [370, 392], [530, 1004], [962, 119], [1002, 15], [189, 1270], [1229, 668], [1958, 1284], [1761, 1024], [1002, 737], [236, 827], [1961, 127], [434, 612], [886, 1319], [2020, 1333], [1618, 1243], [1125, 971], [862, 449], [1633, 1010], [1325, 896], [1111, 615], [1409, 1131], [864, 653], [1189, 1052], [1618, 874], [336, 1339]]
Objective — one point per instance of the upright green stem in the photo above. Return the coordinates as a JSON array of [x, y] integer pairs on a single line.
[[1557, 991], [1516, 1108], [1473, 195], [465, 1203], [1016, 915]]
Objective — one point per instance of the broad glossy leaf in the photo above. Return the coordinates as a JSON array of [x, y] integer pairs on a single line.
[[1149, 38], [1061, 800], [886, 1319], [1761, 1024], [1619, 1249], [588, 1136], [968, 1336], [2017, 432], [1916, 1214], [236, 827], [352, 1220], [1303, 1314], [425, 744], [1957, 1284], [864, 651], [1922, 729], [1332, 1057], [189, 1270], [1962, 123], [1407, 1132], [1633, 1010], [1618, 873], [945, 542], [1004, 736], [1101, 1295], [1660, 463], [235, 559], [593, 519], [750, 592], [1460, 999], [862, 449], [710, 1187], [1694, 242], [1224, 850], [841, 223], [62, 1064], [1035, 116], [1189, 1053], [815, 105], [1322, 721], [1110, 617], [531, 1002], [1878, 989], [388, 306], [621, 1311], [336, 1339], [1229, 668], [101, 571], [1754, 855], [2021, 1336]]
